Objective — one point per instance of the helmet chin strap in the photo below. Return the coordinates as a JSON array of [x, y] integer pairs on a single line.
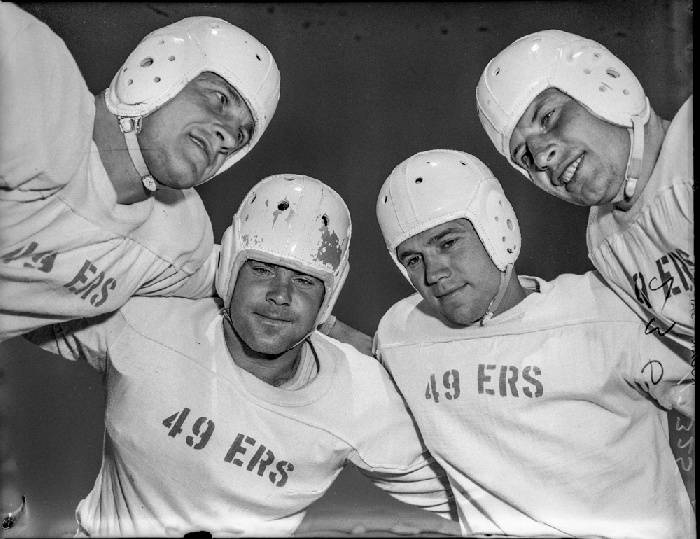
[[495, 302], [634, 164], [130, 127]]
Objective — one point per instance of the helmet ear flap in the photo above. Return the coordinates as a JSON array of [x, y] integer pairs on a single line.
[[230, 262]]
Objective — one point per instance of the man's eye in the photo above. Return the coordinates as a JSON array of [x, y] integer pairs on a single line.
[[304, 282], [411, 261], [521, 156], [223, 98], [546, 118], [261, 270], [446, 244], [242, 138]]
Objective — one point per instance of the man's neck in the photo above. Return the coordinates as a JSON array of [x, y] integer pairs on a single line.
[[115, 155], [514, 294], [654, 135], [271, 369]]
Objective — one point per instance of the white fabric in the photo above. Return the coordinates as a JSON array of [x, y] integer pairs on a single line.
[[161, 356], [647, 254], [67, 249], [558, 428]]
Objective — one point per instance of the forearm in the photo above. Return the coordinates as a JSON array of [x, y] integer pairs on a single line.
[[424, 486], [342, 332]]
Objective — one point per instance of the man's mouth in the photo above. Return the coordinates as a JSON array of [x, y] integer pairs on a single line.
[[570, 172], [199, 141], [273, 318], [442, 295]]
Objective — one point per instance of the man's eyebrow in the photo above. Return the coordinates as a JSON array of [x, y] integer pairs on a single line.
[[233, 92], [437, 237], [538, 107], [220, 82]]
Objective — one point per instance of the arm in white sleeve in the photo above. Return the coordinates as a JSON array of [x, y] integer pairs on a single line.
[[423, 485], [83, 339], [392, 455], [46, 109], [174, 282], [663, 371]]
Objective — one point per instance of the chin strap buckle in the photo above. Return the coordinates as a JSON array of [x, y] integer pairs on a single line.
[[130, 124]]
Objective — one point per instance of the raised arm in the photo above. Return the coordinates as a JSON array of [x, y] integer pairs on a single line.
[[46, 109], [175, 282]]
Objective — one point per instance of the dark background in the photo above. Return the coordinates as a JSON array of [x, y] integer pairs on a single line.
[[364, 86]]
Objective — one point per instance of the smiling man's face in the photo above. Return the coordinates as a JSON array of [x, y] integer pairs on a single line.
[[569, 152], [449, 266], [273, 307]]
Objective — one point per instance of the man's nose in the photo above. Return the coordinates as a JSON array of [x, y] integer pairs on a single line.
[[436, 269], [225, 139], [279, 292], [544, 152]]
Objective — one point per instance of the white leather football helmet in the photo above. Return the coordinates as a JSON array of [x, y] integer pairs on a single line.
[[295, 221], [168, 58], [577, 66], [436, 186]]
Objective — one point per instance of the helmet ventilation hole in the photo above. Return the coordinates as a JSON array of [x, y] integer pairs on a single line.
[[587, 71], [258, 57], [596, 55], [386, 199], [510, 251], [324, 218], [171, 58], [601, 88], [253, 197], [497, 71], [503, 239], [130, 82], [290, 179], [156, 79], [282, 206], [612, 73], [463, 163], [146, 62], [626, 91], [124, 70], [418, 180], [510, 224]]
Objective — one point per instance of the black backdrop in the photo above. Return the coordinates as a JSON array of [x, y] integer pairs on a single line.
[[364, 85]]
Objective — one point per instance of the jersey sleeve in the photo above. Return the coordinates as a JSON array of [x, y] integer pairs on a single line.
[[82, 339], [46, 109], [662, 370], [174, 281], [393, 456]]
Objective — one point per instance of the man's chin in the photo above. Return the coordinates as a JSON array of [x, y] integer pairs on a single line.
[[271, 349], [457, 319]]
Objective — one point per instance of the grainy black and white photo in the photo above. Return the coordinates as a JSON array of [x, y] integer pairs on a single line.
[[372, 269]]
